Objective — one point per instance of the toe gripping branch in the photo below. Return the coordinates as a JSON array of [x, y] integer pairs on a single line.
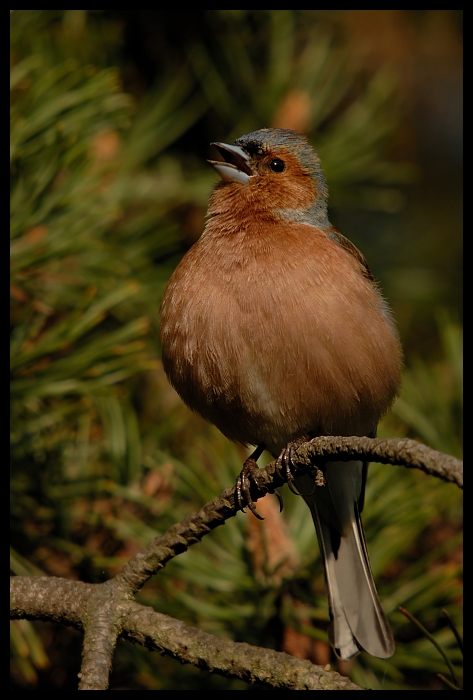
[[284, 465], [243, 483]]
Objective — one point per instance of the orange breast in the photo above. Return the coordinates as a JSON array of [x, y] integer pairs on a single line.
[[272, 331]]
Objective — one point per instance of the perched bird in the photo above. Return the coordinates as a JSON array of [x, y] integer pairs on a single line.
[[273, 328]]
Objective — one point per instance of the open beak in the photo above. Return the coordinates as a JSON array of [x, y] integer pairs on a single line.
[[235, 168]]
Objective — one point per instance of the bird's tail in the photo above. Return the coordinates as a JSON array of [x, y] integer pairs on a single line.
[[358, 621]]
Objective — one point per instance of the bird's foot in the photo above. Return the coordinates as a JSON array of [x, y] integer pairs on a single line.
[[286, 465], [243, 484]]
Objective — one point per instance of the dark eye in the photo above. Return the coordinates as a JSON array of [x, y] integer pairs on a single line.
[[277, 165]]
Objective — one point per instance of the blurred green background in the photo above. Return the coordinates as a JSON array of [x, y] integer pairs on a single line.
[[112, 113]]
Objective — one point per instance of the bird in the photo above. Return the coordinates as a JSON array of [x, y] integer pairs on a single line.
[[273, 328]]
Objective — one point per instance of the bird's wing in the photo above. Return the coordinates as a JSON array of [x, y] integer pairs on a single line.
[[351, 248]]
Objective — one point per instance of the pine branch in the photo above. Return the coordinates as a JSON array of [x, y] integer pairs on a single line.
[[105, 611]]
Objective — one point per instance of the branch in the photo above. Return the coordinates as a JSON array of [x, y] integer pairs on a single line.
[[106, 611], [406, 453], [50, 599], [266, 667], [400, 452]]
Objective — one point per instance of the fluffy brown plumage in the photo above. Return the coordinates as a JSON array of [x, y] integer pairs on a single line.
[[272, 327]]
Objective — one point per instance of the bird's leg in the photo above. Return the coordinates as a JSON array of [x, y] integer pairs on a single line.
[[285, 462], [243, 483]]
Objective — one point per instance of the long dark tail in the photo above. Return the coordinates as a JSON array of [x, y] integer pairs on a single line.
[[358, 621]]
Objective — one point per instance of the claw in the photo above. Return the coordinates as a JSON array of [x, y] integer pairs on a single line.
[[243, 483], [292, 488], [285, 464], [252, 507], [239, 497], [281, 502]]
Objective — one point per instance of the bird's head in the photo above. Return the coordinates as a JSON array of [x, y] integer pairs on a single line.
[[271, 172]]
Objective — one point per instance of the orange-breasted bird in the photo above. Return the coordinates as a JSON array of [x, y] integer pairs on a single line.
[[273, 328]]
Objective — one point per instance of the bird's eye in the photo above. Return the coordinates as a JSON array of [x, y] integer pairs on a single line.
[[277, 165]]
